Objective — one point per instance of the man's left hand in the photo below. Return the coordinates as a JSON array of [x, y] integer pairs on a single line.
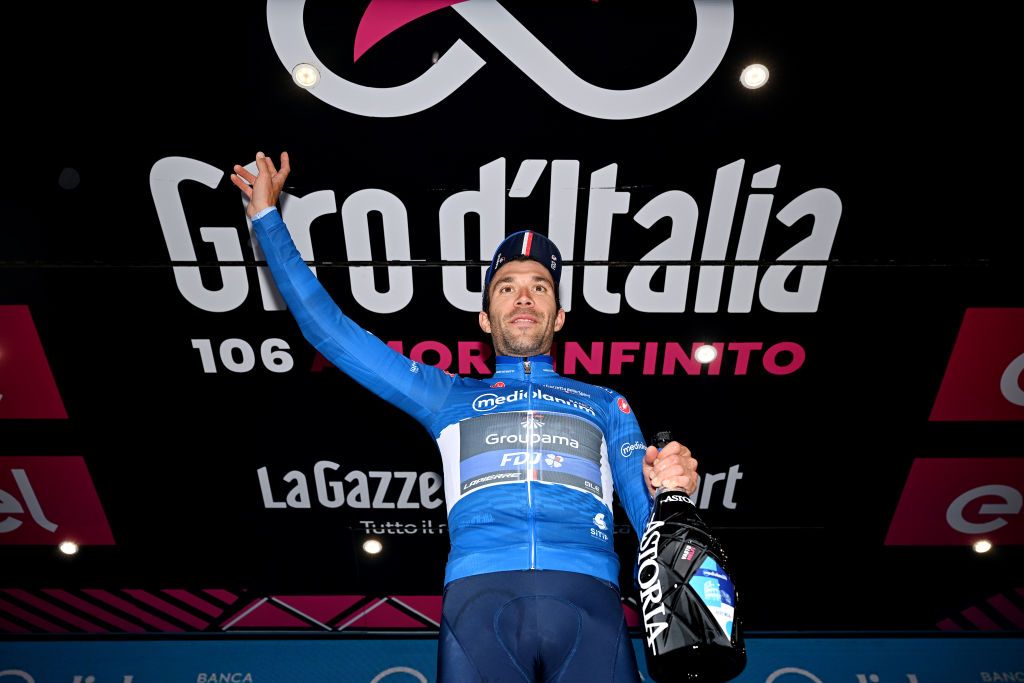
[[674, 467]]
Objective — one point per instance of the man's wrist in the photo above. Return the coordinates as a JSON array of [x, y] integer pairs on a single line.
[[263, 212]]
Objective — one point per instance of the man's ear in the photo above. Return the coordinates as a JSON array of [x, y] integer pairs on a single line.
[[485, 322], [559, 319]]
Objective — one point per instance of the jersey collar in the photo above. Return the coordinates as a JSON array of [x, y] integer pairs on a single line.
[[515, 366]]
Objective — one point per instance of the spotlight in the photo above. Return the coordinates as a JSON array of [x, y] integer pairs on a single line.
[[305, 75], [982, 546], [68, 547], [754, 76], [705, 353], [372, 546]]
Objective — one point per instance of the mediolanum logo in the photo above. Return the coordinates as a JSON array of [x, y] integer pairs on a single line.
[[514, 41], [628, 448]]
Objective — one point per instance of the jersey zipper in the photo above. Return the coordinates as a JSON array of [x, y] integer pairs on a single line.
[[531, 520]]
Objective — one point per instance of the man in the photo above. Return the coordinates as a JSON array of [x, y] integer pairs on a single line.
[[530, 459]]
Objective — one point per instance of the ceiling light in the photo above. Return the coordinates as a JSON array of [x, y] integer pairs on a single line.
[[68, 547], [372, 546], [754, 76], [982, 546], [705, 353], [306, 75]]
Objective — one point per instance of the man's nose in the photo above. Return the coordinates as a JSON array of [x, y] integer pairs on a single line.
[[525, 297]]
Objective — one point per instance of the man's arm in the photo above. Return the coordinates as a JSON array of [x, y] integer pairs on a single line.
[[418, 390], [636, 479]]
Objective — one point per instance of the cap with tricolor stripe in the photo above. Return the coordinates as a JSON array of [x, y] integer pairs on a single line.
[[526, 243]]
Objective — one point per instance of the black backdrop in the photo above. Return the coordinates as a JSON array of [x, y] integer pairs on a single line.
[[899, 113]]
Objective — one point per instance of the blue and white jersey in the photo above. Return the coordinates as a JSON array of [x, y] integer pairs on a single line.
[[530, 457]]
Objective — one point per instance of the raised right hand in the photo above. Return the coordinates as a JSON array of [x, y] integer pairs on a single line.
[[263, 188]]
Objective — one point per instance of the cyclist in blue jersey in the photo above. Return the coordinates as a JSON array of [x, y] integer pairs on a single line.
[[530, 460]]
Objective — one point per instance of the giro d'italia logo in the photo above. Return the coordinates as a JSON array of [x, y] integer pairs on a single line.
[[514, 41]]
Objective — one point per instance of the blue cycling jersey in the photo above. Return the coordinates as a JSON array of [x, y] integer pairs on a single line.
[[530, 457]]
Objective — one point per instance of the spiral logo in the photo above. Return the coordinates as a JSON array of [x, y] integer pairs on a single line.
[[514, 41]]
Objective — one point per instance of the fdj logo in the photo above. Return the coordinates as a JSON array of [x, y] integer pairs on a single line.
[[512, 39]]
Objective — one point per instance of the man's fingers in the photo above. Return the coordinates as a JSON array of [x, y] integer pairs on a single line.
[[243, 173], [286, 167], [241, 185], [685, 483], [270, 165]]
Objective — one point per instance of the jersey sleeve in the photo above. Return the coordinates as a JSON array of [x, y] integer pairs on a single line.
[[418, 389], [627, 462]]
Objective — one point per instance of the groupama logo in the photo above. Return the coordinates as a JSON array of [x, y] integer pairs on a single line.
[[514, 41]]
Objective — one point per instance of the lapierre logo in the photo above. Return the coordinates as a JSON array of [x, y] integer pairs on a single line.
[[288, 35], [949, 501], [48, 499]]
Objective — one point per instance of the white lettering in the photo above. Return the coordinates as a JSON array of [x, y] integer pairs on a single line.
[[706, 484], [650, 587], [1011, 498], [682, 210], [334, 498], [791, 670], [354, 213], [333, 493], [9, 505], [826, 207], [489, 204], [716, 238], [605, 201], [399, 670], [378, 499], [298, 213], [298, 497], [1009, 382], [565, 182], [268, 494], [533, 439], [164, 178]]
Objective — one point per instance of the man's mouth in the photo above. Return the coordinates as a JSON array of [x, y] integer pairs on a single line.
[[523, 320]]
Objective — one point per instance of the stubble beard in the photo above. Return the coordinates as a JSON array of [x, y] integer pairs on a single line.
[[523, 344]]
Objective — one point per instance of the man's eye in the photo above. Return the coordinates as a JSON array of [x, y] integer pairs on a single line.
[[505, 289]]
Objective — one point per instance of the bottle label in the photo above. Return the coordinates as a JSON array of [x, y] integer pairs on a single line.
[[716, 590]]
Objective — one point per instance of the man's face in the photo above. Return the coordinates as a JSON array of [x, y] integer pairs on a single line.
[[523, 315]]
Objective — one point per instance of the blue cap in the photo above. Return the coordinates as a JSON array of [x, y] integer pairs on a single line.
[[529, 244]]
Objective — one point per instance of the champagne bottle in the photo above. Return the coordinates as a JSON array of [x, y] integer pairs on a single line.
[[688, 600]]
